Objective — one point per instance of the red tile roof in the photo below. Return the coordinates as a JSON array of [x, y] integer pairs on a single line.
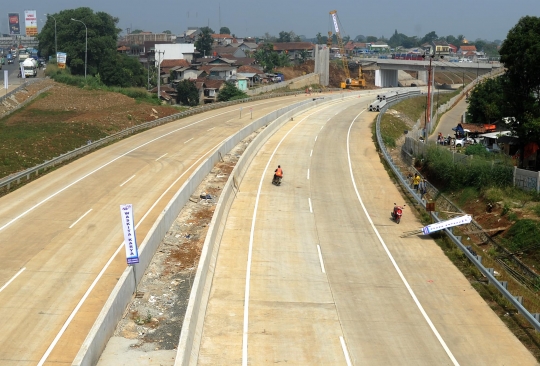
[[288, 46], [173, 63], [250, 69], [468, 48]]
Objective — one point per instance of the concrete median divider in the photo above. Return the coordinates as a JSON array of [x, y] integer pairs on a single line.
[[114, 308]]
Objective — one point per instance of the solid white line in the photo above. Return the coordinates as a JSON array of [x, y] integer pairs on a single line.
[[96, 280], [250, 246], [103, 166], [310, 153], [345, 351], [133, 176], [12, 278], [185, 142], [316, 137], [394, 263], [310, 208], [308, 174], [320, 258], [80, 218], [210, 129], [161, 156], [321, 127]]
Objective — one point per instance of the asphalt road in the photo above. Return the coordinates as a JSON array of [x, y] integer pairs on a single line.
[[57, 233], [314, 272]]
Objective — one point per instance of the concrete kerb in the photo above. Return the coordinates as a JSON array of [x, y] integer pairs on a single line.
[[119, 298], [190, 337]]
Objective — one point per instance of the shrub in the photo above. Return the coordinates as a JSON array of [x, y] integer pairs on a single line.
[[523, 233]]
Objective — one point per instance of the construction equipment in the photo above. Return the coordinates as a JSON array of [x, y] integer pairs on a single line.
[[349, 82]]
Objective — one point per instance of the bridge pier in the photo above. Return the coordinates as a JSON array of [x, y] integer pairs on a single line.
[[423, 76], [386, 78]]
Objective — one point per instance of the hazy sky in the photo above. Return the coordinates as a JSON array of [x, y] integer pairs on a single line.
[[485, 19]]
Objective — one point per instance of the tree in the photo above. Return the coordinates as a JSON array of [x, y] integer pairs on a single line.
[[371, 39], [319, 38], [269, 59], [224, 30], [428, 38], [71, 37], [203, 44], [167, 32], [451, 39], [460, 39], [519, 54], [284, 37], [360, 38], [187, 93], [486, 102], [121, 70], [230, 92], [137, 31]]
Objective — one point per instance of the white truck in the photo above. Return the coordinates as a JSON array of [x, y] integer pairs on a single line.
[[30, 67]]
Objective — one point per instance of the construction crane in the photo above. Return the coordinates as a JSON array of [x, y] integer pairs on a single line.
[[349, 82]]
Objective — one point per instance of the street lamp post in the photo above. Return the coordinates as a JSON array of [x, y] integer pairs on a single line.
[[86, 45], [55, 39]]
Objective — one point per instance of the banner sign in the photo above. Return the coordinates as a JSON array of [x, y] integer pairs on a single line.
[[6, 82], [30, 23], [446, 224], [61, 60], [130, 241], [14, 26]]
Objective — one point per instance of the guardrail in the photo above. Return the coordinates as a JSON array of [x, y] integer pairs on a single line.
[[516, 301], [16, 178], [120, 296], [17, 89]]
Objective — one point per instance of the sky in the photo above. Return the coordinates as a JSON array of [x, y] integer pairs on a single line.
[[484, 19]]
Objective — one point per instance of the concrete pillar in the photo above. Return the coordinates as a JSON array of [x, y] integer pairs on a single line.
[[388, 78], [423, 76]]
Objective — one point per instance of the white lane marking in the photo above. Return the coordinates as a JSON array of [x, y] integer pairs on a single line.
[[321, 127], [320, 258], [250, 246], [310, 153], [80, 218], [96, 280], [310, 207], [316, 137], [308, 174], [130, 178], [345, 351], [185, 142], [394, 263], [12, 279], [161, 156], [112, 161], [210, 129]]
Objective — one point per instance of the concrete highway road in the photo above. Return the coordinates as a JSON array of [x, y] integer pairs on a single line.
[[313, 272], [61, 236]]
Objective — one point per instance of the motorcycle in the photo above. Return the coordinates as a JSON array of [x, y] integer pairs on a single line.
[[276, 181], [397, 213]]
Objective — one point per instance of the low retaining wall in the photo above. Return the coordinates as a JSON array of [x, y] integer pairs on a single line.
[[122, 293], [295, 83], [20, 105]]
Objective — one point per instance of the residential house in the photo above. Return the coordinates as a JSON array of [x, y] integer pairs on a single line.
[[379, 46], [167, 93], [175, 51], [222, 39], [467, 51], [293, 49], [225, 73], [241, 82], [440, 48], [179, 73], [189, 36], [211, 89], [453, 49], [236, 52], [255, 75], [168, 65], [248, 47]]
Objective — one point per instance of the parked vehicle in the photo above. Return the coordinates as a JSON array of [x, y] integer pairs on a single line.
[[30, 67], [397, 213]]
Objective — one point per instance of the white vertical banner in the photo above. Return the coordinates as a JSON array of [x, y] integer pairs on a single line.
[[6, 81], [22, 70], [130, 241]]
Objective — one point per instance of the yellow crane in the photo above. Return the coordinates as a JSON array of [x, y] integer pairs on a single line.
[[349, 82]]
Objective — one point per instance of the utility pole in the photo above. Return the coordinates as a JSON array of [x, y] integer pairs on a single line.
[[159, 74], [428, 122]]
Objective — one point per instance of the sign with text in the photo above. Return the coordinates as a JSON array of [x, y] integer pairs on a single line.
[[30, 23], [130, 241], [61, 58], [14, 26], [446, 224]]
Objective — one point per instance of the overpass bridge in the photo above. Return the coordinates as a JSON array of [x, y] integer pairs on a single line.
[[388, 68]]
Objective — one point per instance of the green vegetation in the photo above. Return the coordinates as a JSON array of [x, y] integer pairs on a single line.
[[187, 93], [204, 42], [270, 59], [95, 83], [230, 92], [100, 31], [392, 128], [522, 234]]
